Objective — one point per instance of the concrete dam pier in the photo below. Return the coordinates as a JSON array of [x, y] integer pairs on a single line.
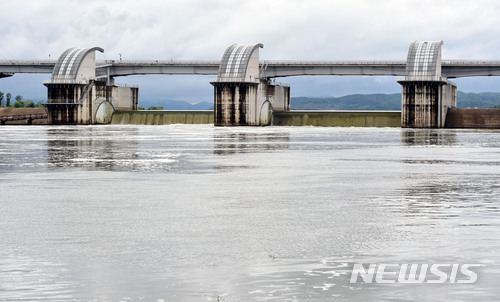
[[426, 96], [241, 97], [75, 96]]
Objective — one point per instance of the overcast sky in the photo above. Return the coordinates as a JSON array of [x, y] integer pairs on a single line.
[[289, 29]]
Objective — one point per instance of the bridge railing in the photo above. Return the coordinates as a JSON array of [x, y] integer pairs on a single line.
[[27, 62], [278, 84], [108, 63], [331, 63], [423, 79], [126, 85], [470, 63], [65, 81], [234, 80]]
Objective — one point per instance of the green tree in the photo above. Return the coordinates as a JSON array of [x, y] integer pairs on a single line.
[[19, 104], [1, 98], [141, 108], [155, 108], [18, 98], [38, 105], [29, 104], [8, 96]]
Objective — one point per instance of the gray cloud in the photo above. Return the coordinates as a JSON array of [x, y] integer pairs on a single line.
[[289, 29]]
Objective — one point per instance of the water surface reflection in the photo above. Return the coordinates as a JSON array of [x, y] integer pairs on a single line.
[[229, 142], [87, 147], [422, 137], [196, 213]]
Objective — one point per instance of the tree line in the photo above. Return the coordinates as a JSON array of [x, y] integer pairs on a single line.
[[152, 108], [18, 101]]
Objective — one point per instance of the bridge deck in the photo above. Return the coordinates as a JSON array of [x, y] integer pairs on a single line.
[[269, 68]]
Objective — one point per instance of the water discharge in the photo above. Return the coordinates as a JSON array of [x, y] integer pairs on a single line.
[[200, 213]]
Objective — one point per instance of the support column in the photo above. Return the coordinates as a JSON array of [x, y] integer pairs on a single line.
[[425, 103], [232, 103]]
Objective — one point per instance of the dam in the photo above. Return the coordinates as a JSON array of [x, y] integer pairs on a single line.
[[163, 117], [279, 118], [82, 90], [456, 118]]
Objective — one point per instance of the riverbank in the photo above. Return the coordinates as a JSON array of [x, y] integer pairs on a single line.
[[15, 116]]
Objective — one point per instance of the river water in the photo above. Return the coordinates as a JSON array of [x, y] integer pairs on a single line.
[[200, 213]]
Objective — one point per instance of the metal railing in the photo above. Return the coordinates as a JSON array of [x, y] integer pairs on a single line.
[[234, 80], [65, 81], [108, 63], [27, 62], [422, 79], [62, 102], [126, 85], [271, 63], [278, 84]]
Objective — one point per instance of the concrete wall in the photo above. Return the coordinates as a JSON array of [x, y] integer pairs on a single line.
[[86, 71], [157, 117], [473, 118], [277, 95], [283, 118], [448, 100], [253, 67], [338, 118], [8, 116], [124, 98]]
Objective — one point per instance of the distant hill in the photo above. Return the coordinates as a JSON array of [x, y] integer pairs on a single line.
[[479, 100], [348, 102], [177, 105], [387, 101]]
